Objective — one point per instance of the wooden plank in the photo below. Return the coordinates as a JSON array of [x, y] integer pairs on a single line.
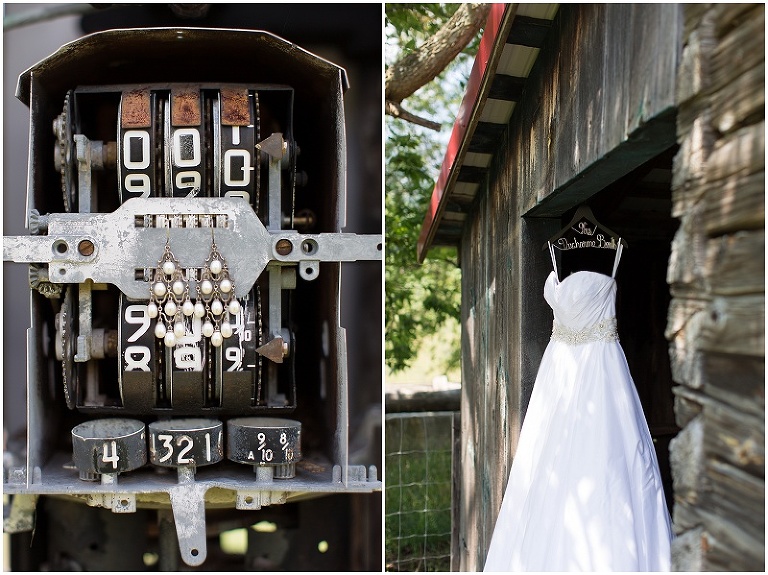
[[734, 437], [472, 174], [564, 133], [736, 103], [690, 163], [742, 153], [503, 340], [736, 263], [683, 328], [687, 405], [687, 552], [728, 16], [734, 325], [687, 263], [736, 380], [727, 547], [591, 104], [653, 59], [506, 87], [527, 31], [486, 136], [693, 77], [685, 515], [686, 457], [618, 23], [735, 204], [473, 514], [735, 516], [695, 16], [406, 401], [740, 50]]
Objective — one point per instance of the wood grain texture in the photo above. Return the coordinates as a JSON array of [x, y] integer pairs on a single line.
[[716, 323]]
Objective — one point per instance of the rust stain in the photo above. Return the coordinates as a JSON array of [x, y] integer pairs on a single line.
[[135, 111], [311, 467], [185, 107], [235, 110]]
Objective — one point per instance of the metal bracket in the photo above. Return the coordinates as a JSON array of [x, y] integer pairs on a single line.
[[253, 500], [22, 515], [109, 248], [188, 503]]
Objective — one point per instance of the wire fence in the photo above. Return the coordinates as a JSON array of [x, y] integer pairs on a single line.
[[418, 489]]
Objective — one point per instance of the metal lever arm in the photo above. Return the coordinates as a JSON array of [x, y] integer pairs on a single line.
[[109, 248]]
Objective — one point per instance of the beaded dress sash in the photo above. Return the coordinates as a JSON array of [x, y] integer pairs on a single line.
[[604, 330]]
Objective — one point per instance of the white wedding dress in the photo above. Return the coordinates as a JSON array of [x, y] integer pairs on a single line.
[[584, 491]]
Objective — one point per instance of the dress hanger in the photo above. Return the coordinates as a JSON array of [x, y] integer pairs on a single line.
[[584, 212]]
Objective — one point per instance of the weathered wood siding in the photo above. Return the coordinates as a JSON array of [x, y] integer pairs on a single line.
[[608, 72], [716, 322]]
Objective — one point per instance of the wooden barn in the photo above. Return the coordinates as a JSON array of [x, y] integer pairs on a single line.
[[654, 116]]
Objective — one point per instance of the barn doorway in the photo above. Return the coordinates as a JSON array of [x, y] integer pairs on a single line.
[[637, 206]]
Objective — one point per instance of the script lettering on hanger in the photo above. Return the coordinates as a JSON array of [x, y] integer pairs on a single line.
[[583, 229], [599, 242]]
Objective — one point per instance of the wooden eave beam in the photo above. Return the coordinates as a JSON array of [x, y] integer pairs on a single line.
[[527, 31]]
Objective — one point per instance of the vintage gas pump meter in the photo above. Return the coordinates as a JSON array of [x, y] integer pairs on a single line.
[[185, 204]]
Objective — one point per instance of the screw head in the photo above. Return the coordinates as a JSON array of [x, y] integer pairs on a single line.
[[86, 247], [284, 247]]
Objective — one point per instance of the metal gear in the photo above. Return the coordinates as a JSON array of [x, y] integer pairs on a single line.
[[64, 155], [66, 334]]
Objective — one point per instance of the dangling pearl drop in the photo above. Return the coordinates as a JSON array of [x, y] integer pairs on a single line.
[[187, 308], [215, 266], [168, 267], [170, 308]]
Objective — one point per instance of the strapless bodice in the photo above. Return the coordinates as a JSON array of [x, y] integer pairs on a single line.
[[582, 300]]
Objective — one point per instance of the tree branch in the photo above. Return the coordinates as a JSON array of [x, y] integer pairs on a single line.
[[421, 66], [397, 111]]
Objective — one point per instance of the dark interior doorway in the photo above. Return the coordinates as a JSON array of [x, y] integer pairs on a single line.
[[638, 207]]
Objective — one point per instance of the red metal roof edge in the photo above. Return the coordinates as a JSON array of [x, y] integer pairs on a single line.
[[468, 104]]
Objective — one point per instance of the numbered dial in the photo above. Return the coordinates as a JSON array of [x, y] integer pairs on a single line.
[[188, 141], [108, 446], [191, 442], [265, 441]]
